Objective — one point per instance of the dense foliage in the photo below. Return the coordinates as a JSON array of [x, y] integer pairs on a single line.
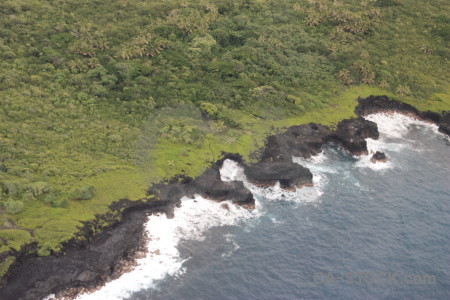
[[80, 80]]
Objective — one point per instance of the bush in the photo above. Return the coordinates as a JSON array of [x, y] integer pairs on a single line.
[[64, 203], [39, 188], [210, 109], [83, 193], [44, 250], [13, 207], [49, 198]]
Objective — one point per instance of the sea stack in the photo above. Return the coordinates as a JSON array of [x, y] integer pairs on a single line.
[[379, 157]]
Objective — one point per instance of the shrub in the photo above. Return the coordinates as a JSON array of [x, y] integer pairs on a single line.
[[13, 206], [44, 250], [64, 203], [210, 109], [49, 198], [39, 188], [28, 196], [83, 193]]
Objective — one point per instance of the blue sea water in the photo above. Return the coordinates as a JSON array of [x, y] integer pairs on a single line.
[[365, 236]]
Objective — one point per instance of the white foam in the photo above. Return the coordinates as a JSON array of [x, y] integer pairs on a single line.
[[374, 146], [235, 246], [318, 166], [382, 145], [232, 171], [365, 162], [309, 194], [276, 221], [197, 215], [163, 259], [393, 126], [396, 125], [320, 158]]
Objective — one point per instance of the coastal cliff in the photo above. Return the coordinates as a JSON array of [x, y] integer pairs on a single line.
[[99, 256]]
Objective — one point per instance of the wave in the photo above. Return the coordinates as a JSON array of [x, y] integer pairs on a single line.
[[232, 171], [195, 216], [397, 125], [191, 221], [393, 129]]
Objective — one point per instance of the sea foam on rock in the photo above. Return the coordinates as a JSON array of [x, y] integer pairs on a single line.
[[307, 140], [210, 186], [352, 135], [194, 216], [382, 104], [289, 174]]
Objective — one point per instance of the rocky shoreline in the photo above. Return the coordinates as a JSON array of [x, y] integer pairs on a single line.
[[95, 258]]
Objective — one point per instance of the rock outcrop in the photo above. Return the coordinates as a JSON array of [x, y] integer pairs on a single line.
[[289, 174], [301, 141], [378, 157], [444, 124], [83, 266], [352, 135], [210, 186], [382, 104]]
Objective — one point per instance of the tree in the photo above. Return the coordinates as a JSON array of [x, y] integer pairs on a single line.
[[403, 90], [344, 76], [384, 84], [210, 109]]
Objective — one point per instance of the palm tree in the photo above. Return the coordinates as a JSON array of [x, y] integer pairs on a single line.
[[403, 90], [125, 53], [296, 7], [384, 84], [313, 21], [344, 75], [368, 78]]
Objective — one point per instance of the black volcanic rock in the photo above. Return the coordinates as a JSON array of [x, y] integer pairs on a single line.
[[302, 141], [289, 174], [210, 186], [351, 134], [378, 157], [307, 140], [81, 266], [377, 104], [444, 124], [234, 191], [88, 263]]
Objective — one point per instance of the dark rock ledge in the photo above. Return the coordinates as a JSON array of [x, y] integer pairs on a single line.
[[382, 104], [289, 174], [93, 258], [352, 135]]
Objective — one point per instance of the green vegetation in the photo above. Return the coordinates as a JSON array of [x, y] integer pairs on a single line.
[[4, 265], [98, 99]]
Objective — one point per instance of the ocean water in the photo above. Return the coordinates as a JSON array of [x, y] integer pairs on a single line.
[[364, 231]]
